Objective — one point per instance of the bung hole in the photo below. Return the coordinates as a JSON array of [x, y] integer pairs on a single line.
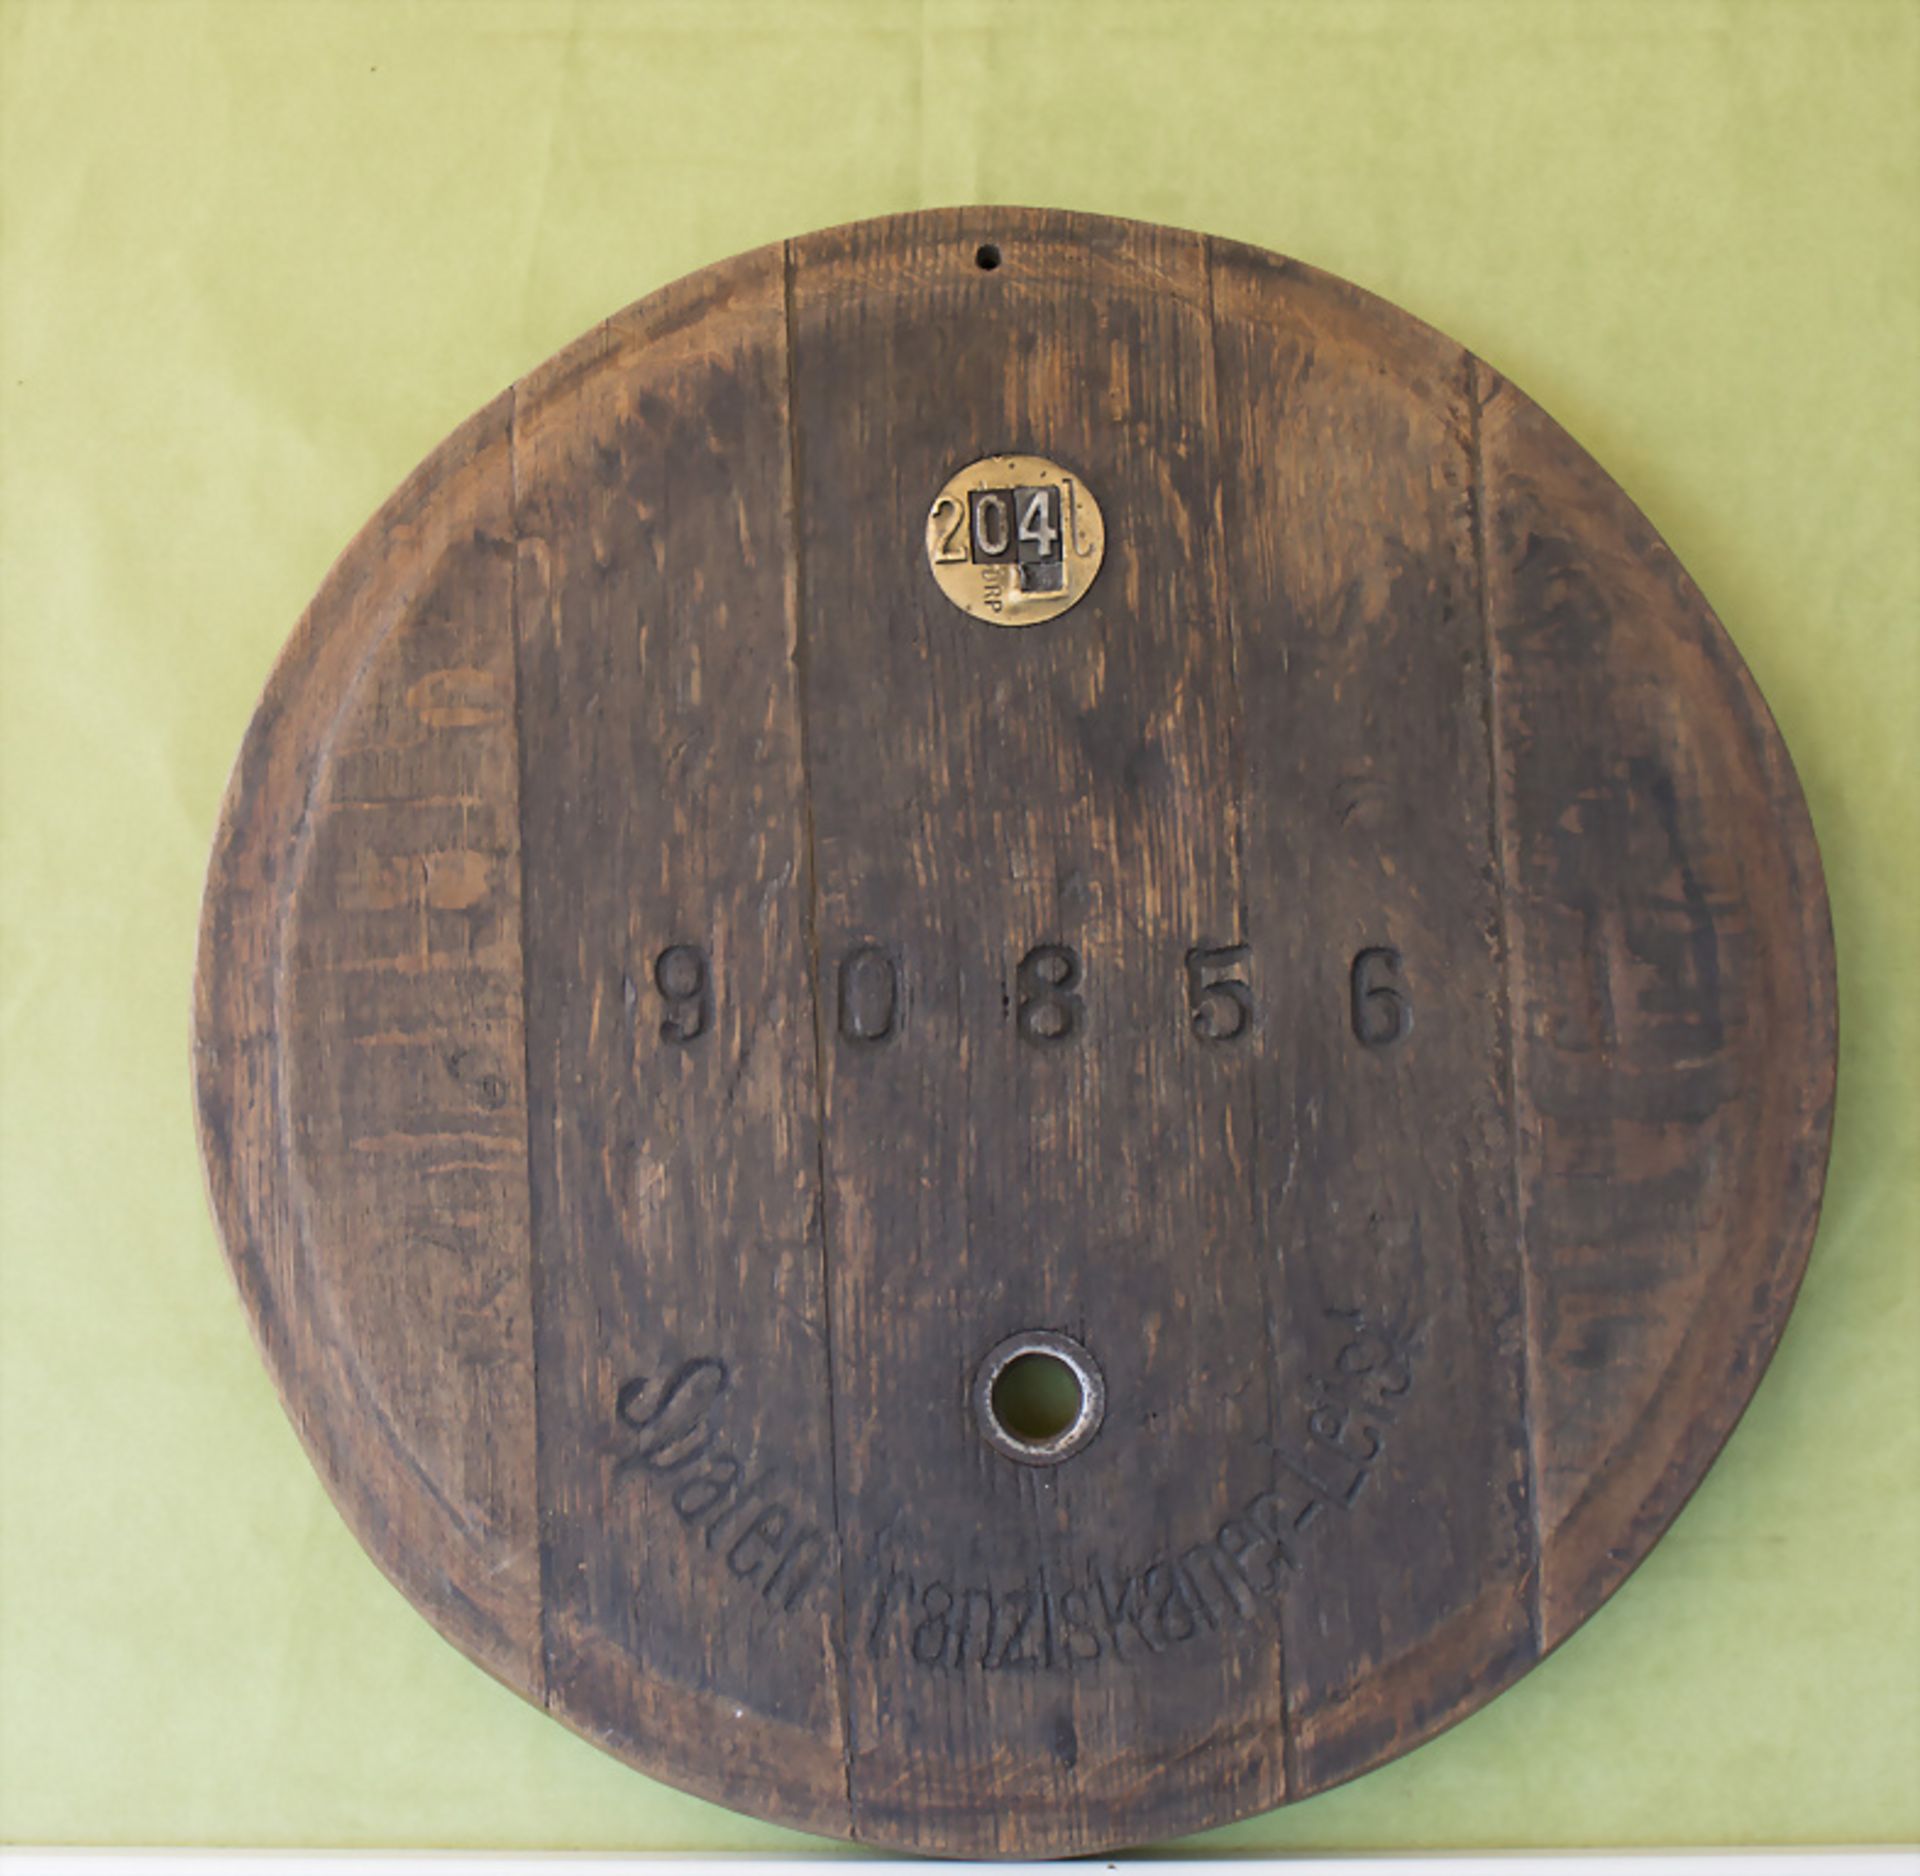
[[1037, 1397]]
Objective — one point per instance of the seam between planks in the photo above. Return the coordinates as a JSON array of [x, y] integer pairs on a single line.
[[1501, 832], [796, 599], [1222, 562], [526, 1042]]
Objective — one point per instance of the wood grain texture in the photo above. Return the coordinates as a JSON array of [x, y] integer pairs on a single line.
[[683, 1401], [1386, 1170], [358, 1057], [675, 993], [1672, 983], [1073, 785]]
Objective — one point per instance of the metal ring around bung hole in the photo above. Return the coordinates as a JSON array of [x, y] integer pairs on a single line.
[[1076, 1433]]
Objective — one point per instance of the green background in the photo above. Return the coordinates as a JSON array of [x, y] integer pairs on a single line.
[[259, 258]]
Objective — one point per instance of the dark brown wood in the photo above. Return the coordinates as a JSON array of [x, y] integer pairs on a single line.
[[676, 994], [1385, 1169], [977, 793], [676, 1203], [1673, 997]]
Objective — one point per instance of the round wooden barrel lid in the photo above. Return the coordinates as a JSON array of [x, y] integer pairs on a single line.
[[1013, 1033]]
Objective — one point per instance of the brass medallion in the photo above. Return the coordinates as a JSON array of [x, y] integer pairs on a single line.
[[1015, 540]]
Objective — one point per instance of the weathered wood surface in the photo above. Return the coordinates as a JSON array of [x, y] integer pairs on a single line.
[[626, 1037]]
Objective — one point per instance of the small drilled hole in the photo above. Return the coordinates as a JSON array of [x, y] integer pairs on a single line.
[[1037, 1397], [986, 257]]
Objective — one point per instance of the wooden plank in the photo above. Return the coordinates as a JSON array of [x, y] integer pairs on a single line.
[[1674, 998], [685, 1471], [1385, 1165], [357, 1040], [1033, 1654]]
